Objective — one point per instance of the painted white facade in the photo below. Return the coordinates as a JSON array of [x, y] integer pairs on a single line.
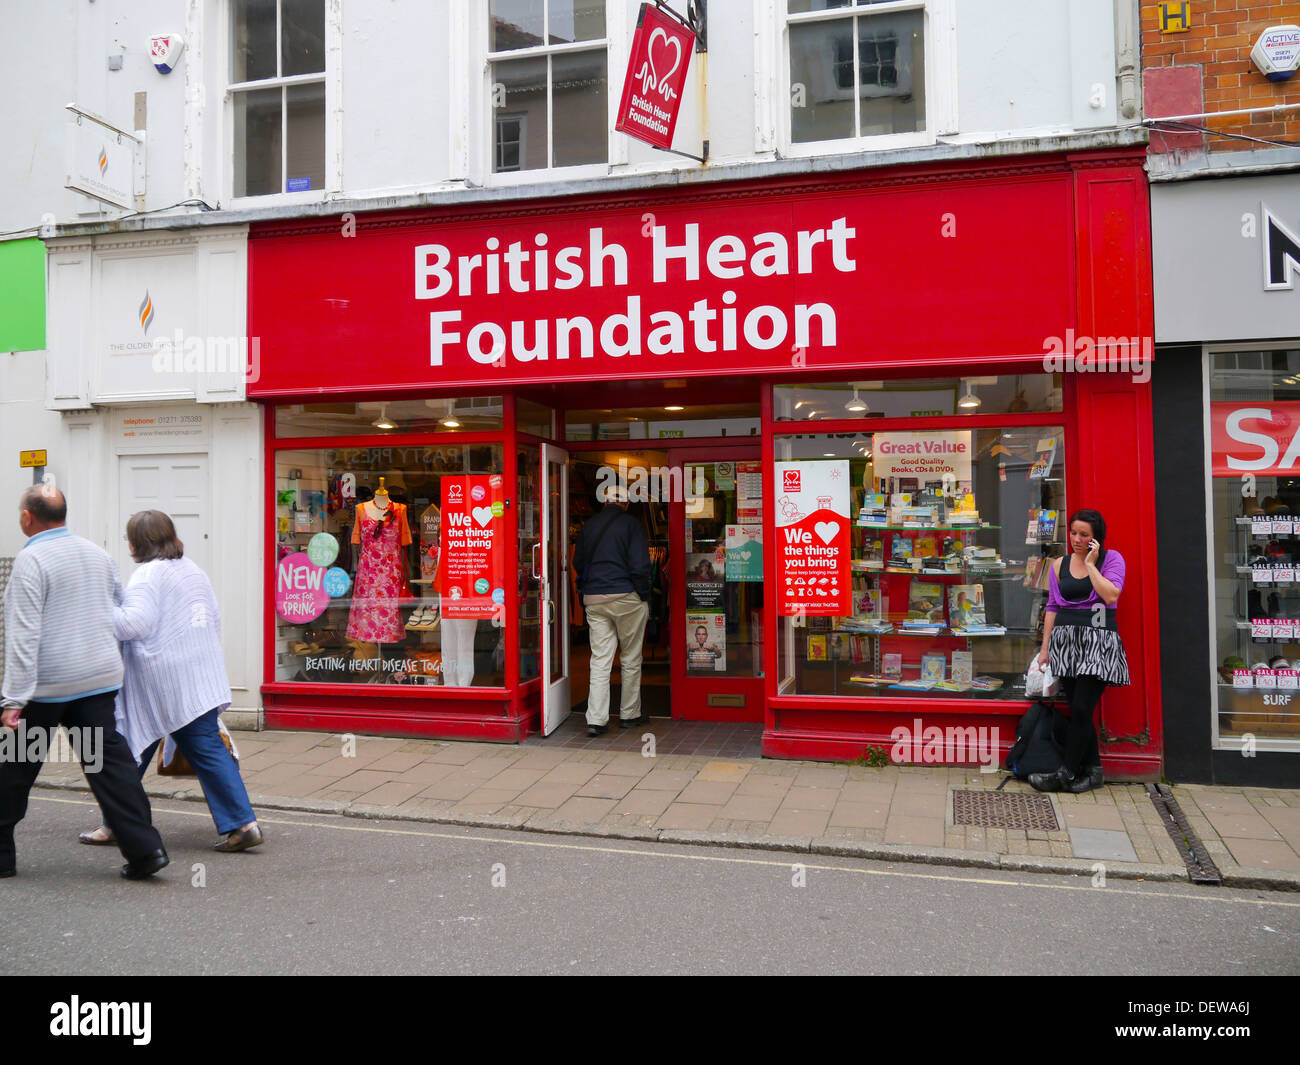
[[144, 427], [408, 94]]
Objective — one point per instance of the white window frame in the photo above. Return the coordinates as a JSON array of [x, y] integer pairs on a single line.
[[939, 20], [616, 48], [1281, 744], [331, 77]]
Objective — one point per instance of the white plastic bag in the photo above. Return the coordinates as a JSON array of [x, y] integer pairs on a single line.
[[1039, 681]]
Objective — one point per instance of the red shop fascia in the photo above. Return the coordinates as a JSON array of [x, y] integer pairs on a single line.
[[952, 269]]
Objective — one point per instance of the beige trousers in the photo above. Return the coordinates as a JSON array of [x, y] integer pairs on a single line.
[[619, 623]]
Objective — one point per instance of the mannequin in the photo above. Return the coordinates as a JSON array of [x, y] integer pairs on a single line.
[[380, 532]]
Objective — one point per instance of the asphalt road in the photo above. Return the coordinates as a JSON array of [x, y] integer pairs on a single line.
[[341, 895]]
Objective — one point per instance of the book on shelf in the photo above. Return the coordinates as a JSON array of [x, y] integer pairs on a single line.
[[927, 546], [963, 667], [892, 666], [980, 630], [817, 648], [925, 603], [952, 686], [966, 606], [959, 519], [1047, 521], [1033, 567], [934, 666], [986, 683], [915, 685]]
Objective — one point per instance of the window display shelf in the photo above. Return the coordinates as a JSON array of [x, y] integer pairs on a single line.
[[928, 528]]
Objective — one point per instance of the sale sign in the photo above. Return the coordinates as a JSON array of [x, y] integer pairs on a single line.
[[1260, 438], [812, 537], [472, 562], [656, 74]]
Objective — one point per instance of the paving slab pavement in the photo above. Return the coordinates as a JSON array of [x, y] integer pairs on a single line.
[[629, 790]]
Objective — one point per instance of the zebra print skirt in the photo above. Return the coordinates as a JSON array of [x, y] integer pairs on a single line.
[[1082, 651]]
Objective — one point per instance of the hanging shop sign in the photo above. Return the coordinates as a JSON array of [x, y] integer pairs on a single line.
[[656, 75], [1256, 438], [471, 568], [812, 538], [664, 288]]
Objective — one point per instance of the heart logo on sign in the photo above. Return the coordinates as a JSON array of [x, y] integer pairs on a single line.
[[826, 530], [482, 515], [648, 74], [743, 555]]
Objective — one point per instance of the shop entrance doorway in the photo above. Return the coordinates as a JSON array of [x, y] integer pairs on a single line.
[[701, 508]]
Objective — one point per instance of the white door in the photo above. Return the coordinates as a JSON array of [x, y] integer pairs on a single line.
[[175, 484], [555, 588]]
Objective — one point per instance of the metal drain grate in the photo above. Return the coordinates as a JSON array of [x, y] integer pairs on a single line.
[[991, 809], [1200, 866]]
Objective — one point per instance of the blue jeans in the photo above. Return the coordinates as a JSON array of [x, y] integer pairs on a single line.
[[218, 772]]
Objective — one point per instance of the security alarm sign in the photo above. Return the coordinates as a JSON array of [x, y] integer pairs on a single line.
[[656, 73]]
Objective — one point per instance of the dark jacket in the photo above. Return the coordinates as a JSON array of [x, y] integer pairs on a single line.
[[613, 555]]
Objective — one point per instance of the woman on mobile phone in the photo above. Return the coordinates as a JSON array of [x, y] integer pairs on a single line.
[[1081, 644]]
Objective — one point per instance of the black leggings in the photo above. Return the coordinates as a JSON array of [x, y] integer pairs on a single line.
[[1081, 749]]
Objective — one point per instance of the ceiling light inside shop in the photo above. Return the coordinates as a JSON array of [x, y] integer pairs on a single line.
[[857, 404], [382, 421], [450, 422], [969, 400], [674, 408]]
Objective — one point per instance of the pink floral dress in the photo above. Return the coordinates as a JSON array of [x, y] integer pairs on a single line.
[[381, 582]]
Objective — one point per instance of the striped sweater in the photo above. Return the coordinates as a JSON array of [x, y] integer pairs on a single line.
[[59, 642]]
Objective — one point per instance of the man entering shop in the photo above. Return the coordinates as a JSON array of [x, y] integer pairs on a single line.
[[612, 562]]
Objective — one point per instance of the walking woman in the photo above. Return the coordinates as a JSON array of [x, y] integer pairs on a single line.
[[175, 681], [1081, 644]]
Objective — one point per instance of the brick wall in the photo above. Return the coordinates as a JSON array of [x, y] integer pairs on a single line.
[[1210, 65]]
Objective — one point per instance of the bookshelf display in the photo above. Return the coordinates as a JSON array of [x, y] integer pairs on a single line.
[[948, 588]]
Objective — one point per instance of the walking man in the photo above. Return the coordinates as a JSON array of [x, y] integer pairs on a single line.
[[613, 566], [62, 667]]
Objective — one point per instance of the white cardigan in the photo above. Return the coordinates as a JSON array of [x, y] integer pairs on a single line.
[[171, 632]]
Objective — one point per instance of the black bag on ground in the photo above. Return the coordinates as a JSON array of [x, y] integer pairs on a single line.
[[1040, 742]]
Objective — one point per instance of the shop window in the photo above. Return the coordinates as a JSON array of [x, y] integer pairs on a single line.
[[928, 398], [857, 68], [472, 414], [664, 422], [722, 545], [534, 418], [1255, 408], [370, 588], [915, 563], [549, 85], [277, 89]]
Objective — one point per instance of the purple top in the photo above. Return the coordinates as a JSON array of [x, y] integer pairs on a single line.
[[1112, 568]]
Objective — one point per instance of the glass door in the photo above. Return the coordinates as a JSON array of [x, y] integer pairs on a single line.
[[554, 578], [718, 567]]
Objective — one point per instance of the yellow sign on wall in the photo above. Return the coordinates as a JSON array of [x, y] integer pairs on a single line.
[[1175, 17], [31, 458]]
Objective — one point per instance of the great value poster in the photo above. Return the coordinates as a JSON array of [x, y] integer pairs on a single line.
[[472, 563], [812, 538]]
